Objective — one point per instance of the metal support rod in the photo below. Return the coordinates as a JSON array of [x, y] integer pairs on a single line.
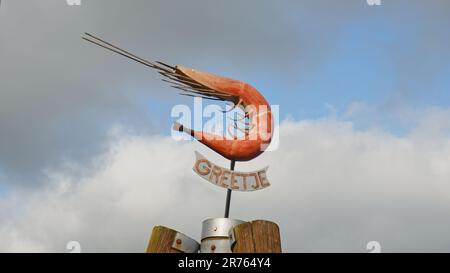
[[227, 204]]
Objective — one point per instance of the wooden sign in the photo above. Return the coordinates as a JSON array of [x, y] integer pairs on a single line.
[[225, 178]]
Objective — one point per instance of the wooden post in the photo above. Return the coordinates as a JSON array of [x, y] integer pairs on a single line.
[[166, 240], [161, 240], [257, 237]]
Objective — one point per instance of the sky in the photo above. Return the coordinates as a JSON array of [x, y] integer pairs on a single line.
[[364, 97]]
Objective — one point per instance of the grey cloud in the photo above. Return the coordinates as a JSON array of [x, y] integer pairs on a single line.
[[418, 63], [60, 95], [333, 188]]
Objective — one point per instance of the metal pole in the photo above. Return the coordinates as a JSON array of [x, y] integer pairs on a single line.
[[227, 204]]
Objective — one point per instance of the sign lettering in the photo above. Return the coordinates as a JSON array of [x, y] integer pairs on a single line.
[[225, 178]]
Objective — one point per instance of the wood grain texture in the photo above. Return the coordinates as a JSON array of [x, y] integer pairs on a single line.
[[258, 236], [161, 240]]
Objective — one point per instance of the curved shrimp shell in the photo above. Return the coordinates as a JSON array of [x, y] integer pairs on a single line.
[[258, 138]]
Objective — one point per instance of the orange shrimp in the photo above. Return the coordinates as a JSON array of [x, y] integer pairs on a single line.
[[195, 83]]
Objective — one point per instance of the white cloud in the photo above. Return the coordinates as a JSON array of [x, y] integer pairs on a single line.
[[334, 188]]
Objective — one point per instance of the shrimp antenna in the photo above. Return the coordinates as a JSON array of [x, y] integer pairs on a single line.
[[177, 78], [102, 43]]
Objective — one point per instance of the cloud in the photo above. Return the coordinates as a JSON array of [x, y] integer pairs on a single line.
[[59, 95], [334, 188], [416, 67]]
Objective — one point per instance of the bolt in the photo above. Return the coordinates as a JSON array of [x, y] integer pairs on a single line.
[[213, 247], [178, 241]]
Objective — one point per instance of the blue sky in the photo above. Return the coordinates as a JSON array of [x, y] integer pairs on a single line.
[[377, 58], [362, 68]]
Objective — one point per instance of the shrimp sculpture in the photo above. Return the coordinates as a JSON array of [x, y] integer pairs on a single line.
[[257, 117]]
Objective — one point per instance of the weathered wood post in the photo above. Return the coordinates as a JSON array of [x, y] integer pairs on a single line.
[[166, 240], [220, 235], [258, 236]]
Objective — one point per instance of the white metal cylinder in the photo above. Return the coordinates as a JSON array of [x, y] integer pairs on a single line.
[[215, 235]]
